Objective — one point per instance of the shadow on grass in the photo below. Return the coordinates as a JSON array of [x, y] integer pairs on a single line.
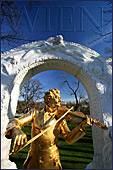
[[19, 162], [74, 162], [24, 152], [85, 157], [75, 149], [18, 159], [89, 140]]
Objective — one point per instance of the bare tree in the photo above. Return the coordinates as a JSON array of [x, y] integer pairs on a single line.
[[73, 91], [11, 29], [9, 15], [31, 92], [105, 35]]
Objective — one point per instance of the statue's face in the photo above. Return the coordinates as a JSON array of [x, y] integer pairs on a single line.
[[52, 98], [55, 102]]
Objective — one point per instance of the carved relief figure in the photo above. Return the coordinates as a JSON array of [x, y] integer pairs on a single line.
[[44, 153]]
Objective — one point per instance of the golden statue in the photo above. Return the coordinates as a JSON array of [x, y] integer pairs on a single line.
[[44, 153]]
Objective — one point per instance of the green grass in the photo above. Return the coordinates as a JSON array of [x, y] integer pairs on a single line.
[[74, 156], [79, 154]]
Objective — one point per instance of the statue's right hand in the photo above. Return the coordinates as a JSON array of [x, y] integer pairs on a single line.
[[19, 138]]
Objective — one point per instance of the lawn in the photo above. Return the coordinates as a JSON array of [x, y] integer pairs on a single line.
[[75, 156]]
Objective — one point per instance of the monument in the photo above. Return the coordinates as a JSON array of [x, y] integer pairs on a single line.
[[46, 126], [91, 69]]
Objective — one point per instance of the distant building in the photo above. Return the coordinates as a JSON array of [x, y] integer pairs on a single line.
[[23, 107]]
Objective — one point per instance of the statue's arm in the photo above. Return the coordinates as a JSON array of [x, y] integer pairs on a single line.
[[18, 123], [72, 136], [72, 116], [13, 130]]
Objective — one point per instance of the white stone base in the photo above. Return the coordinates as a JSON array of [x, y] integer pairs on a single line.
[[7, 164]]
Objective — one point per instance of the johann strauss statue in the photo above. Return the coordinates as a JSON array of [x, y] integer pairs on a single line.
[[44, 153]]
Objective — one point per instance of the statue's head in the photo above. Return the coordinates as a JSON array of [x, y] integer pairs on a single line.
[[52, 98]]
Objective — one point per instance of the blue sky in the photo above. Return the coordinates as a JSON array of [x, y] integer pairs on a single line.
[[53, 79], [76, 21]]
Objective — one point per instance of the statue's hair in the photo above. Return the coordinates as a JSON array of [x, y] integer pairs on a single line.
[[52, 93]]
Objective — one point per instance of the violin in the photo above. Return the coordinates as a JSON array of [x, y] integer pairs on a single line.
[[77, 117]]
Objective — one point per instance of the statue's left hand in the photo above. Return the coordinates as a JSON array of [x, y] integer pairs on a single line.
[[87, 122]]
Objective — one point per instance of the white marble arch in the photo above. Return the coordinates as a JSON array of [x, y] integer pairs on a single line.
[[90, 68]]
